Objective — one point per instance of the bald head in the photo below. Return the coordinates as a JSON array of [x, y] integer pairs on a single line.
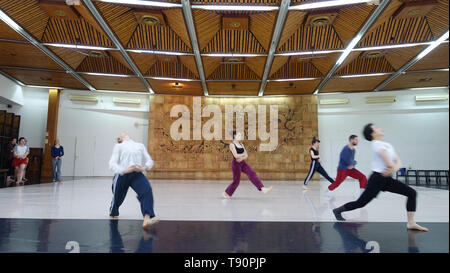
[[124, 136]]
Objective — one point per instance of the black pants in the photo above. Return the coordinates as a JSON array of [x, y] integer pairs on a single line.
[[315, 166], [378, 183]]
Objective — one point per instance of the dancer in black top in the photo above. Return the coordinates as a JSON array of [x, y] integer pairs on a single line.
[[315, 164]]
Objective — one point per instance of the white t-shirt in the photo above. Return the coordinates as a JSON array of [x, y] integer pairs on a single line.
[[21, 150], [129, 153], [378, 164]]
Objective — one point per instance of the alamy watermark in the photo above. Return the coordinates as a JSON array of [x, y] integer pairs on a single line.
[[212, 129]]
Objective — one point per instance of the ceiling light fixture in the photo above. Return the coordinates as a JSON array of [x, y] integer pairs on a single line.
[[159, 52], [326, 4], [144, 3], [80, 46], [235, 7]]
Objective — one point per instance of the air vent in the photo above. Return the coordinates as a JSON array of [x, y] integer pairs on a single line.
[[45, 78], [320, 19], [415, 9], [233, 60], [432, 98], [97, 54], [83, 98], [127, 101], [333, 101], [59, 10], [372, 54], [235, 23], [150, 20], [381, 99]]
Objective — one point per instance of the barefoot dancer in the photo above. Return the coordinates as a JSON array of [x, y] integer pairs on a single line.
[[238, 165], [315, 164], [126, 163], [385, 162]]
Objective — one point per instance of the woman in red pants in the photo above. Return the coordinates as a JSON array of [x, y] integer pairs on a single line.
[[239, 165]]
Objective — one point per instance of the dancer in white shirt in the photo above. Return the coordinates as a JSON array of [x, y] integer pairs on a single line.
[[385, 162], [126, 163]]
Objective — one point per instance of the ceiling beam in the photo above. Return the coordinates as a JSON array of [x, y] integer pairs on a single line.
[[414, 60], [187, 11], [117, 43], [10, 22], [281, 18], [373, 17], [12, 78]]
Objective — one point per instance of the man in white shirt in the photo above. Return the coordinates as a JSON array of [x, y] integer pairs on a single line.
[[385, 162], [126, 163]]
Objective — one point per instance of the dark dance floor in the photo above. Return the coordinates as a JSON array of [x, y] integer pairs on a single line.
[[104, 236]]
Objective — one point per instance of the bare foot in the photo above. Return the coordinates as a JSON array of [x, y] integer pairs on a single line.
[[305, 187], [415, 226], [226, 196], [267, 190], [113, 217], [148, 222]]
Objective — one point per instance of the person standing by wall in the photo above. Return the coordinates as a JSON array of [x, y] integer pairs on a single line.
[[315, 164], [10, 150], [57, 154], [20, 162]]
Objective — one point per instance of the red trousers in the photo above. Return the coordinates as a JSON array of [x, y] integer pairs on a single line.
[[353, 173]]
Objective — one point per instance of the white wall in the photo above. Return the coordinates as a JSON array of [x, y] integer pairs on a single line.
[[33, 112], [10, 92], [88, 131], [418, 131]]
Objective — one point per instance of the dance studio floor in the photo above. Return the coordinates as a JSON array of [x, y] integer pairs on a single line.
[[195, 219]]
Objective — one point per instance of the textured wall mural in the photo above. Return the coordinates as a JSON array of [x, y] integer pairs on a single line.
[[198, 158]]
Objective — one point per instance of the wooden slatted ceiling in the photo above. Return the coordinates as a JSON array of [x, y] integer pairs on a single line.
[[399, 57], [66, 31], [157, 38], [166, 87], [233, 88], [362, 65], [318, 38], [43, 78], [387, 13], [207, 25], [143, 61], [8, 33], [236, 2], [261, 25], [170, 69], [115, 83], [437, 58], [28, 14], [189, 62], [353, 84], [399, 31], [324, 62], [294, 21], [103, 65], [292, 70], [24, 55], [233, 72], [256, 64], [120, 19], [175, 19], [350, 20], [438, 18], [413, 80], [291, 88], [238, 41], [70, 56], [210, 64]]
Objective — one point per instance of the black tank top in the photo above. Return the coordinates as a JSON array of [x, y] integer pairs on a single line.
[[238, 150]]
